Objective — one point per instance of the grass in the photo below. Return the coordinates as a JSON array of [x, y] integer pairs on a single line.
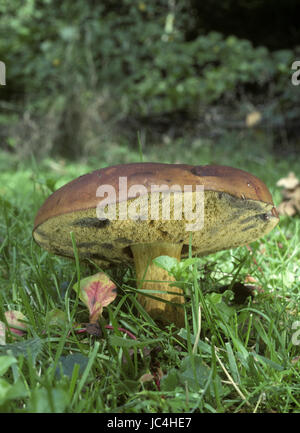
[[229, 357]]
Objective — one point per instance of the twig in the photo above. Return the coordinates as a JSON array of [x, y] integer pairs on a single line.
[[198, 331], [81, 330], [122, 330], [258, 402], [232, 381]]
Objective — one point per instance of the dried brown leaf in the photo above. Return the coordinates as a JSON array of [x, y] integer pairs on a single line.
[[286, 208], [289, 182], [253, 118], [250, 279], [147, 377]]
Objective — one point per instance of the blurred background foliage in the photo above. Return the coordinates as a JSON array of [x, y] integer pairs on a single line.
[[82, 75]]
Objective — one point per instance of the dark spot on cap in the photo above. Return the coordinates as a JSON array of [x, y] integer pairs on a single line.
[[123, 240], [95, 256], [164, 233], [92, 222], [197, 171], [246, 220], [87, 244], [248, 228], [57, 250], [205, 170], [107, 246]]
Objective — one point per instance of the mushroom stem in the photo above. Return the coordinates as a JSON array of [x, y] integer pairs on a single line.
[[153, 277]]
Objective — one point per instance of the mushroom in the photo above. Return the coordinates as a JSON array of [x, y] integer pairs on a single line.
[[133, 213]]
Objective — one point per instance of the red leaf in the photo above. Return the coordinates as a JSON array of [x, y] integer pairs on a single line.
[[96, 292], [16, 322]]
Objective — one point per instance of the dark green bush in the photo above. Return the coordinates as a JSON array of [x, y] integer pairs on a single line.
[[136, 56]]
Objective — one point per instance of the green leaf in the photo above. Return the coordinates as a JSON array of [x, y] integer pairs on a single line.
[[171, 381], [67, 364], [5, 363], [215, 298], [4, 388], [166, 262], [17, 390], [232, 363], [267, 361], [56, 317], [192, 373], [33, 345], [204, 347], [15, 320], [44, 400], [191, 261]]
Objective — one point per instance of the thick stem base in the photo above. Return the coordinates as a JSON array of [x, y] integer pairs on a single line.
[[157, 279]]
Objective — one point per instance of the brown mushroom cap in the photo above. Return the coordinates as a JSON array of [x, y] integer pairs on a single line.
[[238, 209]]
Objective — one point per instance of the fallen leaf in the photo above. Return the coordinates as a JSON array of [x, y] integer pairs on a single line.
[[67, 363], [289, 182], [296, 198], [287, 194], [147, 377], [253, 118], [290, 204], [250, 279], [96, 292], [56, 317], [286, 208], [16, 322]]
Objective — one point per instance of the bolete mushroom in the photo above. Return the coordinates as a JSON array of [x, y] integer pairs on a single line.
[[136, 212]]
